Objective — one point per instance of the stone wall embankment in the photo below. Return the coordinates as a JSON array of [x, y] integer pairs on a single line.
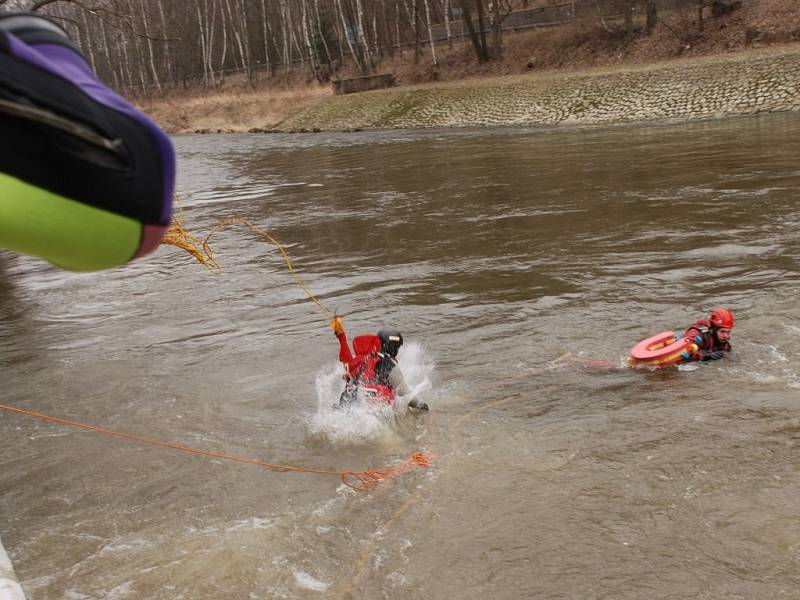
[[683, 90]]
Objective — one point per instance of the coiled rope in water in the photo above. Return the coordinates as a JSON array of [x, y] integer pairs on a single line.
[[180, 238], [357, 480]]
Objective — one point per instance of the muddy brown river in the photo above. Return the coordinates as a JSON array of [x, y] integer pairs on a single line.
[[495, 252]]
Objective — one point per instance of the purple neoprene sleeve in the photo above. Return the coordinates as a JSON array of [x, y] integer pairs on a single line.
[[71, 66]]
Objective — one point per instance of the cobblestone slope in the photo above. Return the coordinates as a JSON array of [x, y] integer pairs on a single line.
[[682, 90]]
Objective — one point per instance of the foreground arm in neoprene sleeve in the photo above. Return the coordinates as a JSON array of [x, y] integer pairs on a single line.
[[86, 180]]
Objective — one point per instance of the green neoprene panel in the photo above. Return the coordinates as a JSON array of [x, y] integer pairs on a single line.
[[69, 234]]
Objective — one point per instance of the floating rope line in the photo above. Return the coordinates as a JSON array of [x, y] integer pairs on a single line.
[[360, 481]]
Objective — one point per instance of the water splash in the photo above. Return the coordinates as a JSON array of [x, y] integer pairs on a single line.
[[304, 580], [362, 423]]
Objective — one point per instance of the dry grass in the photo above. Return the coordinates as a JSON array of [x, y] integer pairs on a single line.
[[242, 109], [237, 107]]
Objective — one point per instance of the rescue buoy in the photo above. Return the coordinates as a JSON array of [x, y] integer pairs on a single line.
[[662, 350]]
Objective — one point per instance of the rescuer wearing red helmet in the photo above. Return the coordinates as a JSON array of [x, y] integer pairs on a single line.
[[372, 368], [712, 335]]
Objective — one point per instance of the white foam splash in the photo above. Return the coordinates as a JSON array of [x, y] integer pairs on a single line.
[[306, 581], [688, 366], [361, 422], [252, 523], [775, 354]]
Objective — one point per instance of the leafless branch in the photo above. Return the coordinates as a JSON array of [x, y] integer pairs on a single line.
[[98, 10]]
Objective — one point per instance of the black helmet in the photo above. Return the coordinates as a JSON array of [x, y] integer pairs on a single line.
[[391, 340]]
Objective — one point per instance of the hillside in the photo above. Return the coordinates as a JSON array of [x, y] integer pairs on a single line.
[[756, 26]]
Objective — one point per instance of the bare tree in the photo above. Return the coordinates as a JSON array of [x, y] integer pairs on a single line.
[[362, 36], [430, 34], [478, 39], [347, 35], [446, 11], [651, 12]]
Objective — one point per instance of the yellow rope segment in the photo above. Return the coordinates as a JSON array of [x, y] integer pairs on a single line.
[[178, 236], [201, 250]]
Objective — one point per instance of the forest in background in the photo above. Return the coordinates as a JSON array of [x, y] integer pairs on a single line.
[[157, 47]]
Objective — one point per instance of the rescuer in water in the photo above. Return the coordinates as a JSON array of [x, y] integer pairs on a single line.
[[712, 335], [371, 369]]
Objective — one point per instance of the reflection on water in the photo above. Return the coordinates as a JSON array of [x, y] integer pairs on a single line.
[[495, 252]]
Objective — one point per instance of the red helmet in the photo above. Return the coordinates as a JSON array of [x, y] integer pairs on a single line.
[[722, 317]]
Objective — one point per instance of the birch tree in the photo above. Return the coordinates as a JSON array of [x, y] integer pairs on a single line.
[[430, 34]]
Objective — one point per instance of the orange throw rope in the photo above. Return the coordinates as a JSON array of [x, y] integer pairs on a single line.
[[201, 250], [357, 480]]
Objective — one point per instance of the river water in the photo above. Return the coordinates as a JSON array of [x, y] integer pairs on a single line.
[[495, 252]]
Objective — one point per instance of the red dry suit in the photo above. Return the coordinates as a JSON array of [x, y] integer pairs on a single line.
[[703, 335], [368, 370]]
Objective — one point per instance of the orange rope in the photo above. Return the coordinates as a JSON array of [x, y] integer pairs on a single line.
[[357, 480], [201, 250], [263, 234]]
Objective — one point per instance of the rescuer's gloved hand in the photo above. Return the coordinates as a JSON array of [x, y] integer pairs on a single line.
[[337, 325], [86, 180], [715, 355]]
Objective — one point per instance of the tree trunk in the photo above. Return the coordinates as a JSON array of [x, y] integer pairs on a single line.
[[287, 64], [397, 28], [266, 34], [203, 44], [295, 43], [430, 35], [210, 43], [630, 6], [312, 55], [497, 35], [89, 46], [446, 10], [109, 62], [167, 55], [651, 12], [700, 7], [376, 48], [482, 30], [417, 51], [473, 35], [221, 78], [322, 35], [237, 37], [150, 57], [347, 36], [362, 36]]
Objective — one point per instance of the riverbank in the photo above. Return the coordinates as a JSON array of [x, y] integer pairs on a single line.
[[710, 87], [584, 73], [747, 82]]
